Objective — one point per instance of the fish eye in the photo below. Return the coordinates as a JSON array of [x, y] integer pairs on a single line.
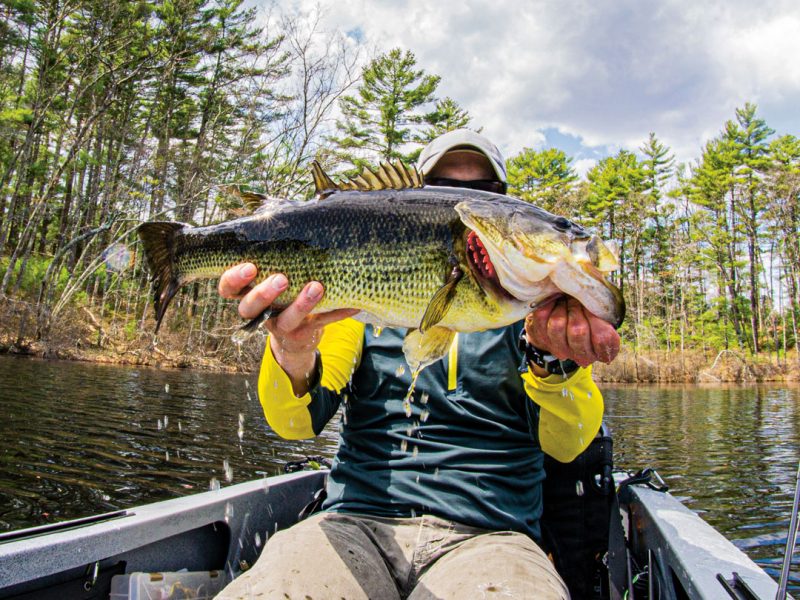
[[562, 223]]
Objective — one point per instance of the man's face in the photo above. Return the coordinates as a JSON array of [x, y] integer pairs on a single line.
[[463, 165]]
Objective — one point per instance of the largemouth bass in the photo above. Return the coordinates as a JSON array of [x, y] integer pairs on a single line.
[[435, 260]]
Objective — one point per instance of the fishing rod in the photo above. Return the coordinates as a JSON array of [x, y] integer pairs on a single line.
[[790, 541]]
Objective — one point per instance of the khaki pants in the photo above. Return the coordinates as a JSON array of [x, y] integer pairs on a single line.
[[345, 556]]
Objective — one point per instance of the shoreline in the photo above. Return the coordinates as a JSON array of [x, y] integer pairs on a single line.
[[645, 367]]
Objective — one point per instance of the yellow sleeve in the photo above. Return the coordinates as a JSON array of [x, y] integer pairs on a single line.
[[289, 416], [571, 412]]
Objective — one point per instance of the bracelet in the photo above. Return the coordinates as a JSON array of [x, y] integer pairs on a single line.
[[544, 359]]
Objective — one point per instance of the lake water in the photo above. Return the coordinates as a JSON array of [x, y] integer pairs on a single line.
[[78, 439]]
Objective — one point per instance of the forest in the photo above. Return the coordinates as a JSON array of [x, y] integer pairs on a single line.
[[113, 113]]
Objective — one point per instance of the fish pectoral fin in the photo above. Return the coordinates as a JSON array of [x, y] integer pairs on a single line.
[[248, 329], [441, 301], [422, 349]]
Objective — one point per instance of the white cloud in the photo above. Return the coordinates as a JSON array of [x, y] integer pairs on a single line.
[[607, 72]]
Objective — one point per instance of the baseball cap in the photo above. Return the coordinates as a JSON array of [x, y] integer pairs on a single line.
[[459, 139]]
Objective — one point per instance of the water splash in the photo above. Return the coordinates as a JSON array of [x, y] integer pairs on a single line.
[[406, 407]]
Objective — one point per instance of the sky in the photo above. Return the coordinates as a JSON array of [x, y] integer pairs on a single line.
[[593, 76]]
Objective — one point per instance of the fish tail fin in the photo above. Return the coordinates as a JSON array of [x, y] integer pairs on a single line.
[[158, 241]]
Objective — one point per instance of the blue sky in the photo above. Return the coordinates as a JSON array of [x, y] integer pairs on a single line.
[[593, 76]]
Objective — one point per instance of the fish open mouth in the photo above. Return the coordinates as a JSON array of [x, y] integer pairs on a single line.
[[481, 265]]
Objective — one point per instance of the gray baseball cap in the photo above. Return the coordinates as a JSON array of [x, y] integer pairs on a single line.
[[461, 139]]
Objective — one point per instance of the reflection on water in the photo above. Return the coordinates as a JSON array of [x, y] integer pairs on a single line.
[[729, 453], [78, 439]]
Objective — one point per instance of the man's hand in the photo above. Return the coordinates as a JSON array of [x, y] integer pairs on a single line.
[[295, 332], [568, 331]]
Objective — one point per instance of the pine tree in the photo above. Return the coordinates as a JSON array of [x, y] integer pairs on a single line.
[[386, 111], [544, 177]]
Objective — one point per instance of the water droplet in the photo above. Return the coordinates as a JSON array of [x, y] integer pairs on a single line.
[[564, 392], [247, 383], [257, 540], [424, 398], [228, 512], [226, 466], [400, 371], [414, 452], [250, 398], [240, 431], [180, 427], [166, 421], [213, 484], [166, 455], [580, 425], [403, 445], [377, 331], [406, 408], [424, 415], [410, 431], [106, 497], [413, 513], [275, 384], [166, 388], [417, 479], [160, 425], [589, 395], [436, 473]]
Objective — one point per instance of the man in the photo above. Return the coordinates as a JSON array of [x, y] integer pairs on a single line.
[[438, 497]]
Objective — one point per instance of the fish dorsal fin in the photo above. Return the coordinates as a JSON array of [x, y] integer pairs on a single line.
[[252, 201], [324, 185], [388, 176]]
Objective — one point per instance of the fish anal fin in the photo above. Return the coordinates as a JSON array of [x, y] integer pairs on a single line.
[[441, 301], [248, 329], [422, 349]]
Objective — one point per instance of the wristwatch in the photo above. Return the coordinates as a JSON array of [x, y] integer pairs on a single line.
[[544, 359]]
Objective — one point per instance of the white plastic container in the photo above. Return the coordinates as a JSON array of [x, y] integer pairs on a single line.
[[181, 585]]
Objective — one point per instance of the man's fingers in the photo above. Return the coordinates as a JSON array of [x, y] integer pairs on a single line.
[[262, 296], [605, 339], [557, 331], [579, 335], [236, 279], [292, 316], [536, 325]]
